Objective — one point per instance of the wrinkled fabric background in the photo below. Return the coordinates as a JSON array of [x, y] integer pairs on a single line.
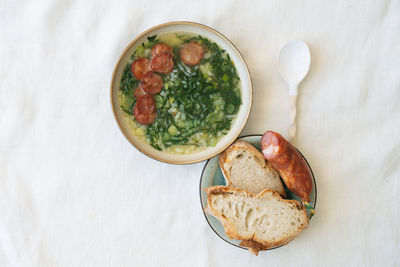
[[74, 192]]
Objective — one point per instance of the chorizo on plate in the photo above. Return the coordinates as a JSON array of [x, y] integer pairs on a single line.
[[289, 162]]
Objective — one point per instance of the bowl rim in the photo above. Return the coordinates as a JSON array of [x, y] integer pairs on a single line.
[[149, 154], [201, 202]]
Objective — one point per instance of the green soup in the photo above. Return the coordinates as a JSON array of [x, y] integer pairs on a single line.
[[197, 104]]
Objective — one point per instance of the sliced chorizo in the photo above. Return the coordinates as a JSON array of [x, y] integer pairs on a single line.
[[162, 63], [152, 83], [160, 48], [192, 53], [138, 92], [140, 67], [144, 119], [146, 104], [145, 111]]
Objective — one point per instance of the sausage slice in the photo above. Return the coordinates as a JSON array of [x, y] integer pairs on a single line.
[[144, 119], [192, 53], [145, 111], [160, 48], [140, 67], [152, 83], [162, 63], [139, 92]]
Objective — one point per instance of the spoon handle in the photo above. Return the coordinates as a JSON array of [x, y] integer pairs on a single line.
[[292, 128]]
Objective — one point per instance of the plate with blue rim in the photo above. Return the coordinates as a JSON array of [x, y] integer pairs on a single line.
[[212, 175]]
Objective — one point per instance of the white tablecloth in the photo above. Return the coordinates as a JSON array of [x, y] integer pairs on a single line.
[[74, 192]]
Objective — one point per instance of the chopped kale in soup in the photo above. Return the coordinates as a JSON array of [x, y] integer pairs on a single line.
[[180, 91]]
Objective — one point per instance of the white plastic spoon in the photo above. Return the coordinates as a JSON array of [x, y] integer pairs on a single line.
[[294, 63]]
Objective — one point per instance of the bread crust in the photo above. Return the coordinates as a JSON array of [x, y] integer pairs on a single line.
[[251, 242], [242, 145]]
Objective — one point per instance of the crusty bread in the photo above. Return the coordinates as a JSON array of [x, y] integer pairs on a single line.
[[261, 221], [243, 166]]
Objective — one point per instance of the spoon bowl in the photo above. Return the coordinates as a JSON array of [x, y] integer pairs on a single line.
[[294, 63]]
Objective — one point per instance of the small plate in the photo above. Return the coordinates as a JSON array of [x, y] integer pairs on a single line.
[[212, 175]]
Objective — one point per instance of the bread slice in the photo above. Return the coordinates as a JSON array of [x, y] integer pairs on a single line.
[[243, 166], [261, 221]]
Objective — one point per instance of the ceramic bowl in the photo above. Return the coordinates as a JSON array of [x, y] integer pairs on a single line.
[[246, 92], [212, 175]]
